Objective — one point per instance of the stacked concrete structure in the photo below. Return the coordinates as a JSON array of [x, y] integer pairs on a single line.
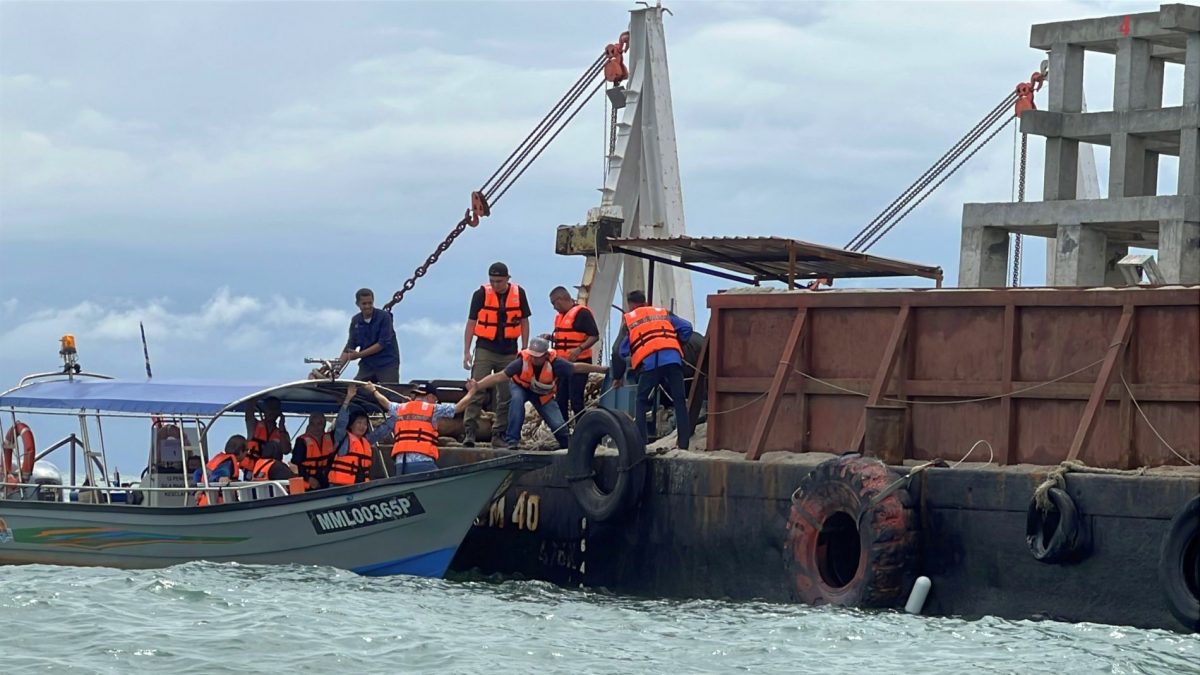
[[1093, 234]]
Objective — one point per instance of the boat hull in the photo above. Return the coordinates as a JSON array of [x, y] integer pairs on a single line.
[[402, 525]]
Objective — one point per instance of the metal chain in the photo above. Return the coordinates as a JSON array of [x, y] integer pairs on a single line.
[[423, 269], [612, 133], [1016, 272]]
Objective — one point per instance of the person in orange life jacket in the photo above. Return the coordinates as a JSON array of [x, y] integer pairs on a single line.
[[534, 376], [372, 341], [497, 318], [270, 466], [575, 332], [222, 467], [259, 431], [353, 439], [652, 340], [313, 452], [414, 427]]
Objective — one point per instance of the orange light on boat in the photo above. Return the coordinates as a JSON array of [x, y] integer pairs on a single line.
[[68, 343]]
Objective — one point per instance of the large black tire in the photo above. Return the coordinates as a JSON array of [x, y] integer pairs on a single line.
[[1179, 565], [1058, 535], [841, 549], [590, 429]]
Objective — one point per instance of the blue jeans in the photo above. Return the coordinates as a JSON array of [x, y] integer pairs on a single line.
[[516, 415], [670, 375], [414, 462]]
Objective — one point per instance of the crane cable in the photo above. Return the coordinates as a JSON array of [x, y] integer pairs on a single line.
[[513, 167], [882, 223]]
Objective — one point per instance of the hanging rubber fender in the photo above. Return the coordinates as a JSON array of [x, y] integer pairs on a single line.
[[1057, 535], [28, 449], [1179, 565], [851, 541], [599, 504]]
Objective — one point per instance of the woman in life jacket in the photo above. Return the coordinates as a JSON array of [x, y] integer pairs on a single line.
[[414, 427], [352, 440]]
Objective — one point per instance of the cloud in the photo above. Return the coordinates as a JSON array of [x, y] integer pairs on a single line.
[[228, 336]]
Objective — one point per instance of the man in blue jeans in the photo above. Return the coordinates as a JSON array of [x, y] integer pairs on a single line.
[[652, 340], [534, 377]]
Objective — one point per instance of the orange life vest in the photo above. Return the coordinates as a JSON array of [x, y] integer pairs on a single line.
[[255, 442], [543, 383], [354, 466], [487, 322], [214, 464], [262, 469], [650, 331], [415, 430], [566, 337], [316, 455]]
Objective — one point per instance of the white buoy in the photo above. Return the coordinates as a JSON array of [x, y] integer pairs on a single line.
[[916, 599]]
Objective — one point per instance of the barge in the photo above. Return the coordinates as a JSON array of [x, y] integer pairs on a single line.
[[1026, 371], [1031, 451]]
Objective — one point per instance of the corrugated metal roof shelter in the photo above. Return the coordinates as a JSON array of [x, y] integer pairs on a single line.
[[752, 260]]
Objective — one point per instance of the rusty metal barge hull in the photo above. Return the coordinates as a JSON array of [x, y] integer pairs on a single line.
[[717, 528], [1098, 386]]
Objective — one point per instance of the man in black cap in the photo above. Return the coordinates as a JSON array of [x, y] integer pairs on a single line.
[[498, 317]]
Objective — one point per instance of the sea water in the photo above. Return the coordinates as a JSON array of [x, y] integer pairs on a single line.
[[208, 618]]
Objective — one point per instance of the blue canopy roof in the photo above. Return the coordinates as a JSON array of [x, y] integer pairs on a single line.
[[178, 397]]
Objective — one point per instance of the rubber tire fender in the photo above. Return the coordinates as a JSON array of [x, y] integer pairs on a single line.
[[590, 429], [1067, 542], [887, 536], [1179, 565]]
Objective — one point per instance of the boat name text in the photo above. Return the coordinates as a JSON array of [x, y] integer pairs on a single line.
[[362, 514]]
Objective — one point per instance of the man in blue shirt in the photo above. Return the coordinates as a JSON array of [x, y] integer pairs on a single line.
[[414, 462], [659, 361], [372, 342]]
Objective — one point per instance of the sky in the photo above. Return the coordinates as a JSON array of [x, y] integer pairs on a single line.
[[229, 174]]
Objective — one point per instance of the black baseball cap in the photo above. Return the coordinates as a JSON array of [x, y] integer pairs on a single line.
[[498, 269]]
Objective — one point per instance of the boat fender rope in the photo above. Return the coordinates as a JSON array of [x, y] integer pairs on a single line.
[[575, 478]]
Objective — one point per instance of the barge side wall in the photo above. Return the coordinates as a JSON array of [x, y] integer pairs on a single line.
[[1038, 357]]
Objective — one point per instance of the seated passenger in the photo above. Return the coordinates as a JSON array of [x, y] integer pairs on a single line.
[[193, 465], [313, 452], [223, 467], [352, 437], [259, 431], [271, 465], [414, 427]]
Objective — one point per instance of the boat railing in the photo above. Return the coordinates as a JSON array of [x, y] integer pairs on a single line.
[[231, 492]]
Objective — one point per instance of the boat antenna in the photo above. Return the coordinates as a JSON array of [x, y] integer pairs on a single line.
[[145, 351]]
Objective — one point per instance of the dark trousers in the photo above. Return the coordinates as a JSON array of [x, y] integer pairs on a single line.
[[385, 375], [670, 375], [571, 389]]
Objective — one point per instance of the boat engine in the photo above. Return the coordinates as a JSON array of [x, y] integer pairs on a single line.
[[48, 480]]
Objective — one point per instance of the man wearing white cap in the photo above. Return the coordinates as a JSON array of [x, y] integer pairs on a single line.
[[534, 377]]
